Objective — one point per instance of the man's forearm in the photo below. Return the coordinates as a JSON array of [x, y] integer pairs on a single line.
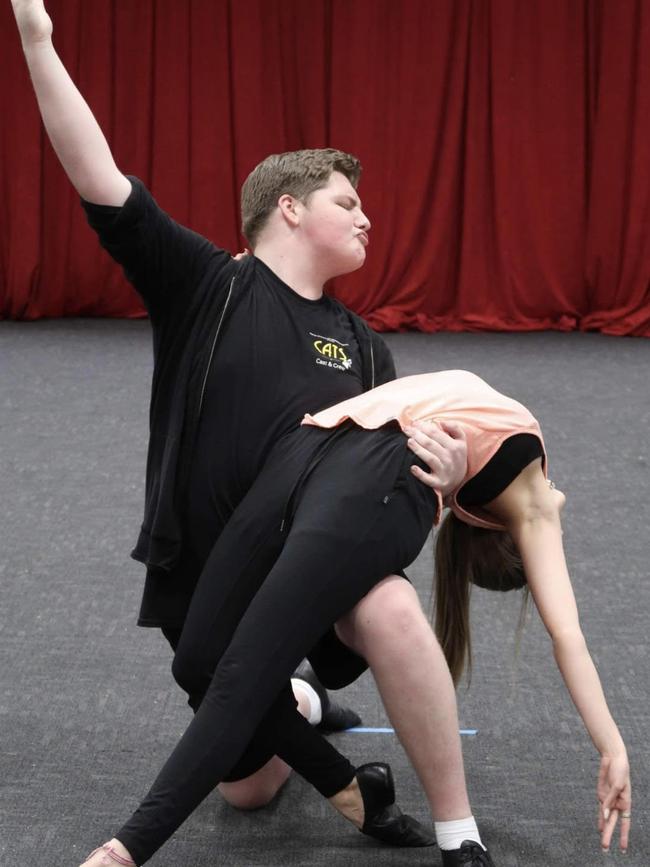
[[75, 134]]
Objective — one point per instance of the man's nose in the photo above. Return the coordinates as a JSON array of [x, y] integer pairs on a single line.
[[363, 222]]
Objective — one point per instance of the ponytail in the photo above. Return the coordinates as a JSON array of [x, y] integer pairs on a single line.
[[452, 565], [466, 555]]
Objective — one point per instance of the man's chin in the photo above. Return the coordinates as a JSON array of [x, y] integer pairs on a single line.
[[350, 266]]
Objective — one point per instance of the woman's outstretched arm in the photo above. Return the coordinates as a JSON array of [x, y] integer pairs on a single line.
[[532, 512]]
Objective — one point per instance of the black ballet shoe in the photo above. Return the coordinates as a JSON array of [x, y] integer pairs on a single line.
[[470, 854], [383, 819], [335, 718]]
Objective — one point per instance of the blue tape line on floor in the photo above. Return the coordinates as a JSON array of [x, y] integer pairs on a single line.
[[381, 731]]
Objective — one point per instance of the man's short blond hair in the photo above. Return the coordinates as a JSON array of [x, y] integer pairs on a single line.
[[296, 173]]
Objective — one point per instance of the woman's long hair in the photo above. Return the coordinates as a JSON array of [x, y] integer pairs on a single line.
[[466, 555]]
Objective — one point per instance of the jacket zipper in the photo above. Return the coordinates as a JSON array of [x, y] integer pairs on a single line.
[[214, 343]]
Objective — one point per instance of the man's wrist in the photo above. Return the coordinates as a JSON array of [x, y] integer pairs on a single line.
[[36, 44]]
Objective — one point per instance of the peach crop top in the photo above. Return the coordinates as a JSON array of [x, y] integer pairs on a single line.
[[487, 417]]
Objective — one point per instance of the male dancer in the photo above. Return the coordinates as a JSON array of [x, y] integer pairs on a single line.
[[212, 318]]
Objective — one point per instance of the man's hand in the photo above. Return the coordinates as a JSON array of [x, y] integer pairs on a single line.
[[75, 134], [444, 449], [34, 23]]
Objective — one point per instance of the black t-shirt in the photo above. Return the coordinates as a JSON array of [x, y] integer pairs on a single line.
[[282, 355], [192, 290]]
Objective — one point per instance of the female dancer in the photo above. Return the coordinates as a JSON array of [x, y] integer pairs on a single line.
[[336, 501]]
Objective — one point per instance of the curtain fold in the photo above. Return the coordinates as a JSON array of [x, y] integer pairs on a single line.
[[504, 146], [617, 275]]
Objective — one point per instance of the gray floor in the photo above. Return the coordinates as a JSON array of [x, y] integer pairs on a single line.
[[87, 707]]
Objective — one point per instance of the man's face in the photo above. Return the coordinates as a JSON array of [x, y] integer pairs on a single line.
[[335, 226]]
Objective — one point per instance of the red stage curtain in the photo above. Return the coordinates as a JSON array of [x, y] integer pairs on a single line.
[[505, 148]]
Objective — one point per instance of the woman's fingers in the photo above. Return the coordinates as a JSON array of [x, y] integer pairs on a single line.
[[615, 806], [608, 829], [601, 818], [626, 822]]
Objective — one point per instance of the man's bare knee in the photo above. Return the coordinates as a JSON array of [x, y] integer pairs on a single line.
[[244, 795], [259, 789], [391, 604], [390, 609]]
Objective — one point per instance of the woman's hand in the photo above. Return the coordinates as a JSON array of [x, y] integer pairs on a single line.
[[614, 799]]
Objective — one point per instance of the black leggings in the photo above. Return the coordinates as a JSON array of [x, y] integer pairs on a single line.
[[285, 732], [274, 583]]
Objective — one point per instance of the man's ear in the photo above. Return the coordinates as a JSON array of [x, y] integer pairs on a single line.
[[289, 208]]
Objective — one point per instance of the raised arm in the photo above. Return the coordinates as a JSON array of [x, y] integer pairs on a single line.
[[532, 512], [75, 134]]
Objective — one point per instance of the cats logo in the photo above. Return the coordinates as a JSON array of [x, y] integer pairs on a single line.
[[331, 354]]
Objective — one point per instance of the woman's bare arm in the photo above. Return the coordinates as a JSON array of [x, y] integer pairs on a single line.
[[75, 134], [531, 510]]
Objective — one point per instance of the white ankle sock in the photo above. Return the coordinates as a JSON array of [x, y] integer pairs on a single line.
[[315, 709], [451, 834]]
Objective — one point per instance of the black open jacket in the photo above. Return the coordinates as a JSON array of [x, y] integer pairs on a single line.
[[190, 289]]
